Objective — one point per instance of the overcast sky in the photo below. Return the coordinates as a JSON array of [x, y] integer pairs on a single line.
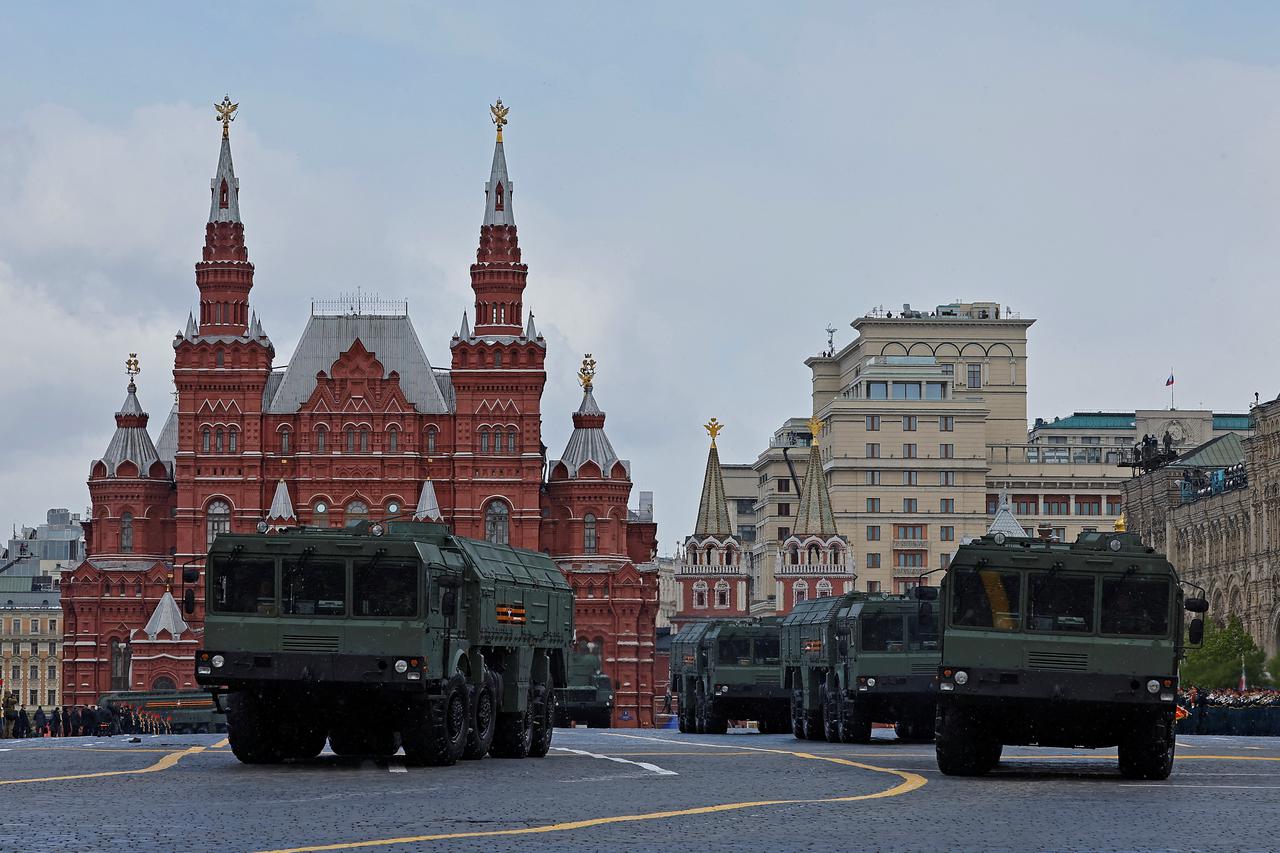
[[700, 191]]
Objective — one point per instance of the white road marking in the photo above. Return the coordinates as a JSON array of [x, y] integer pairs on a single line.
[[1244, 787], [397, 767], [652, 768], [6, 749]]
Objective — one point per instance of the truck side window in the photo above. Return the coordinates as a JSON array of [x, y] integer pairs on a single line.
[[243, 584], [986, 598], [1057, 603], [882, 632]]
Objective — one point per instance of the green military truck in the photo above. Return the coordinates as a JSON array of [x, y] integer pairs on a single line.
[[186, 711], [860, 658], [727, 669], [382, 634], [587, 696], [1066, 645]]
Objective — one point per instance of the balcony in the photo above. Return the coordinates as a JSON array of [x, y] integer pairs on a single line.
[[782, 569], [703, 570], [910, 544], [909, 571]]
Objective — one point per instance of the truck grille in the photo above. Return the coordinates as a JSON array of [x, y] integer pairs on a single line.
[[580, 694], [923, 668], [309, 643], [768, 678], [1058, 661]]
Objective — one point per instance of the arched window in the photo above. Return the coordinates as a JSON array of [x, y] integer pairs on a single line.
[[800, 591], [351, 439], [511, 441], [284, 441], [321, 435], [218, 358], [204, 440], [499, 201], [218, 446], [497, 359], [137, 589], [233, 440], [106, 589], [164, 682], [217, 520], [126, 533], [730, 557], [589, 544], [364, 441], [793, 555], [700, 594], [722, 593], [484, 441], [837, 554], [432, 432], [357, 511], [496, 522], [393, 440], [119, 665], [823, 588]]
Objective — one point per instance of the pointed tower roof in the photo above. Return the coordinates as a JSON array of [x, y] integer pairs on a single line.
[[1004, 521], [530, 330], [167, 443], [588, 442], [225, 188], [131, 441], [465, 332], [428, 507], [166, 617], [281, 505], [498, 189], [713, 507], [815, 517]]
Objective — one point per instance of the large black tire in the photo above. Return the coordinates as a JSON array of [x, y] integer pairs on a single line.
[[714, 721], [438, 735], [963, 746], [797, 714], [831, 710], [304, 740], [514, 734], [685, 718], [484, 719], [1148, 752], [542, 701], [814, 725], [252, 739], [700, 713], [857, 723]]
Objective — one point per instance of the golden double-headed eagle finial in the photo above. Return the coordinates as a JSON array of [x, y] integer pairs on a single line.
[[132, 366], [587, 373], [713, 428], [1121, 525], [815, 427], [226, 114], [499, 113]]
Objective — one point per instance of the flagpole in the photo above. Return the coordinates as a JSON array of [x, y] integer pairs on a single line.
[[1171, 385]]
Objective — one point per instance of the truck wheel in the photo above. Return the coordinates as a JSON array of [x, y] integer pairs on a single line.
[[714, 721], [351, 740], [252, 738], [831, 708], [813, 725], [1148, 752], [438, 736], [683, 719], [857, 723], [797, 714], [700, 714], [484, 719], [962, 747], [513, 735], [543, 705]]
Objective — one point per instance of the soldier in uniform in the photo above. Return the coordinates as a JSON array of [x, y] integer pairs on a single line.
[[23, 727], [55, 723]]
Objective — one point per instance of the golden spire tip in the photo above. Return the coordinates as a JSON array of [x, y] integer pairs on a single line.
[[226, 114], [713, 428]]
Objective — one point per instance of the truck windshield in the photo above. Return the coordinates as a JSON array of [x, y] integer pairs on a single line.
[[1059, 603], [385, 587], [735, 651], [882, 632], [312, 587], [921, 637], [243, 584], [986, 598], [1135, 606], [765, 651]]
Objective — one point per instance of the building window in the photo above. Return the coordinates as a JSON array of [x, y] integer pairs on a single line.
[[496, 520], [873, 561], [1114, 504], [432, 432], [947, 533], [1088, 505], [946, 478], [993, 504], [908, 559], [1026, 504], [53, 673], [484, 441], [1057, 505], [393, 440], [784, 509], [217, 357], [873, 423], [35, 672], [909, 451], [351, 439], [947, 505], [119, 665], [126, 533], [217, 520], [873, 533], [873, 586], [746, 533], [284, 441], [799, 591], [53, 629], [946, 423], [511, 441], [909, 423], [877, 390], [823, 589], [909, 504], [910, 478], [975, 375], [218, 446], [873, 451], [52, 696], [320, 514], [497, 357], [784, 485], [364, 441], [204, 440], [906, 390], [744, 506], [722, 594], [944, 561], [700, 595], [946, 451], [321, 435], [357, 511], [1060, 534], [873, 504], [873, 477], [783, 533], [589, 534], [233, 440], [908, 531]]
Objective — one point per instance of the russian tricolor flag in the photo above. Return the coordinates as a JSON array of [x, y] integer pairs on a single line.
[[1169, 381]]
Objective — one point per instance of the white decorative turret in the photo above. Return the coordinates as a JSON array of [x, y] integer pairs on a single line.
[[428, 507]]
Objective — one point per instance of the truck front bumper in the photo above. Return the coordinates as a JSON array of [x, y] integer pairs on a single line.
[[236, 670]]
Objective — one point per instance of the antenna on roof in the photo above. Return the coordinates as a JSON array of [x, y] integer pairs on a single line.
[[831, 338]]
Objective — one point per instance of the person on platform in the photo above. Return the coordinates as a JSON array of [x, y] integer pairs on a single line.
[[42, 720], [23, 726], [55, 723]]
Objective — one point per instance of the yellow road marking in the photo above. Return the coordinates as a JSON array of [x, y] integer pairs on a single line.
[[163, 764], [116, 749], [910, 782], [220, 744]]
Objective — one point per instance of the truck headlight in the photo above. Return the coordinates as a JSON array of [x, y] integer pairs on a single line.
[[218, 661], [1153, 686], [871, 682], [962, 677], [203, 670], [402, 666]]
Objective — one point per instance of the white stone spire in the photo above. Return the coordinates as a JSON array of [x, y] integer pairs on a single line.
[[498, 190], [166, 617], [428, 507], [531, 331], [465, 332], [225, 206], [192, 331], [1004, 522]]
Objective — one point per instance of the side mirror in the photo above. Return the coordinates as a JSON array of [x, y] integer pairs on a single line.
[[189, 601], [190, 575], [449, 602], [925, 613], [1195, 631], [926, 593], [1196, 605]]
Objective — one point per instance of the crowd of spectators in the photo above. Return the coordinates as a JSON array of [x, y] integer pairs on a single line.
[[1228, 698]]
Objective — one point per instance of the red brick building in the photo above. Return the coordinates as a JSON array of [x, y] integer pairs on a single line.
[[359, 424]]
